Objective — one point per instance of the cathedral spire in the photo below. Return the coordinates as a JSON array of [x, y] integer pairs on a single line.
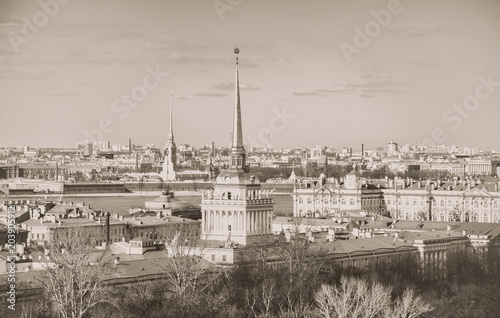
[[171, 131], [237, 145]]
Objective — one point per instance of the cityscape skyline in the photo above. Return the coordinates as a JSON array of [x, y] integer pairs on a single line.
[[305, 61]]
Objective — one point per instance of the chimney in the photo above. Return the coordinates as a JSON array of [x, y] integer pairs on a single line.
[[107, 227]]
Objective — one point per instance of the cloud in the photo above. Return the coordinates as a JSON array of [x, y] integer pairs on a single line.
[[166, 42], [230, 86], [414, 29], [310, 93], [29, 75], [119, 35], [363, 89], [71, 56], [210, 95], [424, 64], [55, 90]]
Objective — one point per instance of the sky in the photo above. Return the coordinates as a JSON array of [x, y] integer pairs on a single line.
[[321, 72]]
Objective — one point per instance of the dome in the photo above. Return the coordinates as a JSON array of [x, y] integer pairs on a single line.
[[167, 201]]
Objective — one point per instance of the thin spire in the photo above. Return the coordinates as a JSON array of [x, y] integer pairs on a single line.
[[171, 132], [237, 144]]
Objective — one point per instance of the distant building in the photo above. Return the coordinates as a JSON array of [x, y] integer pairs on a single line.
[[392, 149]]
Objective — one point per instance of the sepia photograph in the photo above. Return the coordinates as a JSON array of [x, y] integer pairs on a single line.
[[250, 158]]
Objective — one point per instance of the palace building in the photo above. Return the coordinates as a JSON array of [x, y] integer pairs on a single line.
[[465, 200]]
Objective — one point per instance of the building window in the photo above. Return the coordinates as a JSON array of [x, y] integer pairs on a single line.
[[301, 201], [476, 204], [351, 202], [407, 203], [342, 202], [388, 202], [309, 201], [467, 204], [213, 257], [414, 202], [442, 203], [495, 205], [223, 258]]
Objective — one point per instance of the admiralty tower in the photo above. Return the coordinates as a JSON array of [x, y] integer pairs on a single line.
[[237, 210]]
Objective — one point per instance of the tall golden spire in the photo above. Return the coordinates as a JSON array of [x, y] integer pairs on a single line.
[[237, 145]]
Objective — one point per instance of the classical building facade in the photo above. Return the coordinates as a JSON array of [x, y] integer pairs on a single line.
[[237, 210], [451, 201]]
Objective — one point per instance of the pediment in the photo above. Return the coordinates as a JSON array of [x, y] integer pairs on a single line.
[[476, 193]]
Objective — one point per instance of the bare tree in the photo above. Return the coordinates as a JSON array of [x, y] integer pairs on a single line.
[[184, 268], [74, 274], [410, 305], [356, 298], [300, 268]]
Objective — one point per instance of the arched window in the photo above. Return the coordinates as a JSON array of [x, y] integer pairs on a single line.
[[309, 201], [326, 201], [485, 217], [476, 204], [467, 204], [442, 202], [457, 204], [351, 202], [495, 205], [301, 201], [441, 217], [388, 202], [449, 203], [414, 202], [342, 202]]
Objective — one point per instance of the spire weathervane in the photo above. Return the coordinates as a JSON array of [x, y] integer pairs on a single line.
[[236, 51]]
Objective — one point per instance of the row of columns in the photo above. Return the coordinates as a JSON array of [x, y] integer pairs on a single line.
[[241, 222]]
